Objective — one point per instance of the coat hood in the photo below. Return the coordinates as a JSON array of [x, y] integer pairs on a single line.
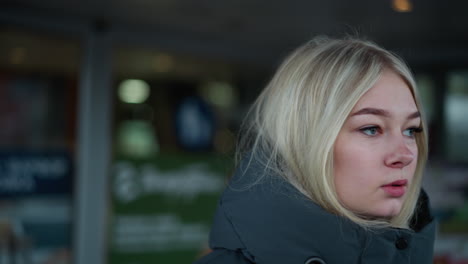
[[270, 221]]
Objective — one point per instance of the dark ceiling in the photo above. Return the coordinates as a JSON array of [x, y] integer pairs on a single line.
[[263, 31]]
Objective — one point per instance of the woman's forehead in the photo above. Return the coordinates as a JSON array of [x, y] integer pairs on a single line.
[[390, 93]]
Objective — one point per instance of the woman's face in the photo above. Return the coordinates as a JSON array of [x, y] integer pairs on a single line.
[[375, 154]]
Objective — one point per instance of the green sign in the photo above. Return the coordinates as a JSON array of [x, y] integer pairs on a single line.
[[162, 208]]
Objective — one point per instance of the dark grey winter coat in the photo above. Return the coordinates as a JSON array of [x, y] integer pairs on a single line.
[[272, 223]]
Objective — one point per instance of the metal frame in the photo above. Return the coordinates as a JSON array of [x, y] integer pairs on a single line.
[[94, 141]]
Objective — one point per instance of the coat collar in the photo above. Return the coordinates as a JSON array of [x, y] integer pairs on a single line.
[[269, 221]]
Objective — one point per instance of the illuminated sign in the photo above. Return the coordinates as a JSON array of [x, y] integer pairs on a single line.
[[28, 173]]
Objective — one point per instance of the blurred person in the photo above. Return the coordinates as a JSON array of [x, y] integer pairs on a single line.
[[330, 164]]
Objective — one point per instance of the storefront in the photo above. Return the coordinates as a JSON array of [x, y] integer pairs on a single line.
[[115, 145]]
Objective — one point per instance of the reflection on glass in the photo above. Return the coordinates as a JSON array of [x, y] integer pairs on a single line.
[[456, 109], [167, 168]]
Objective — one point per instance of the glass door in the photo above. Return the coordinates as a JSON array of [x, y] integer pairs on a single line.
[[38, 116]]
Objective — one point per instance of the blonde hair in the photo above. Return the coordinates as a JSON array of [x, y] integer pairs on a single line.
[[296, 119]]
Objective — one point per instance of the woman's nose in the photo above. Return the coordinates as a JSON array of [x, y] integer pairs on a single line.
[[401, 156]]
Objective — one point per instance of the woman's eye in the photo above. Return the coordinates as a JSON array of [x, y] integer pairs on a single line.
[[370, 131], [412, 131]]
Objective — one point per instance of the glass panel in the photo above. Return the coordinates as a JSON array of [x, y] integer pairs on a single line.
[[173, 121], [445, 182], [426, 88], [456, 109], [38, 90]]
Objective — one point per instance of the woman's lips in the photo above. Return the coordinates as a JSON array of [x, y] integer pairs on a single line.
[[396, 188]]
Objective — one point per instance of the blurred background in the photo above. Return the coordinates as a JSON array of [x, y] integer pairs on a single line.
[[118, 119]]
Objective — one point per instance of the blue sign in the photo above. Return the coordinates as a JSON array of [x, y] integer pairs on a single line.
[[195, 124], [31, 173]]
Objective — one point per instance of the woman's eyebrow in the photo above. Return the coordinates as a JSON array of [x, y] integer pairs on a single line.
[[372, 111], [382, 112], [414, 115]]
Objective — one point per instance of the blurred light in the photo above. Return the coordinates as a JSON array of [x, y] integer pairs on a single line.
[[219, 93], [133, 91], [136, 138], [402, 5], [163, 63], [17, 55]]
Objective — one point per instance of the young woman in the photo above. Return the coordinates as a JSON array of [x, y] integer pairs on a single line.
[[332, 154]]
